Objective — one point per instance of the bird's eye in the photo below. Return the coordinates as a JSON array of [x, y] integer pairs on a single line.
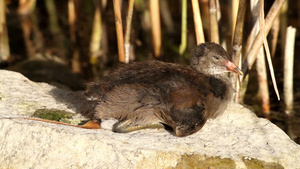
[[216, 57]]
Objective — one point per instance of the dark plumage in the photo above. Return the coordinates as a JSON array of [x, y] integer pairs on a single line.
[[149, 94]]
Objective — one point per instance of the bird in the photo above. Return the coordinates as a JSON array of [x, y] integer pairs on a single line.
[[156, 94]]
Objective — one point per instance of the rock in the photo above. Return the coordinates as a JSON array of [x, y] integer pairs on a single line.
[[237, 139]]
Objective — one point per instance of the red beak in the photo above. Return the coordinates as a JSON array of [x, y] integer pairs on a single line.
[[233, 68]]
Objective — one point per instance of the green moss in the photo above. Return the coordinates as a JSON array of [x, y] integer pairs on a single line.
[[253, 163], [195, 161], [53, 114], [201, 162]]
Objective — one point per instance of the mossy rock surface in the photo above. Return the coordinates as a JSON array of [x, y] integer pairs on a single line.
[[196, 161], [253, 163], [54, 114]]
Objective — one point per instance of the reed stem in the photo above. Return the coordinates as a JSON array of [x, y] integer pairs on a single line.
[[214, 24], [235, 7], [166, 15], [156, 28], [182, 46], [289, 69], [237, 45], [119, 31], [95, 43], [251, 54], [72, 18], [128, 30], [263, 82], [4, 41], [266, 46], [198, 22]]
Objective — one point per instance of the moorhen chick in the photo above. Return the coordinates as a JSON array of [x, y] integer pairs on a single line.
[[152, 94]]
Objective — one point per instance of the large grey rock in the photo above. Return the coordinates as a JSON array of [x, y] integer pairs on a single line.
[[237, 139]]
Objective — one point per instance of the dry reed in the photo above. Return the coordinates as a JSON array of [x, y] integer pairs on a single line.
[[119, 30], [128, 30], [213, 22], [96, 37], [289, 70], [198, 22], [237, 45], [183, 43], [251, 54], [155, 26], [4, 41]]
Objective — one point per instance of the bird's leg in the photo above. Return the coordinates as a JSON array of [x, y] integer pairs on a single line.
[[92, 124], [129, 126]]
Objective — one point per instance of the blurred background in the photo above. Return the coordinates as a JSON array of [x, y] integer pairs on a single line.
[[69, 43]]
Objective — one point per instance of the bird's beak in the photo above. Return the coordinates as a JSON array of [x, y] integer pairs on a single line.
[[233, 68]]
